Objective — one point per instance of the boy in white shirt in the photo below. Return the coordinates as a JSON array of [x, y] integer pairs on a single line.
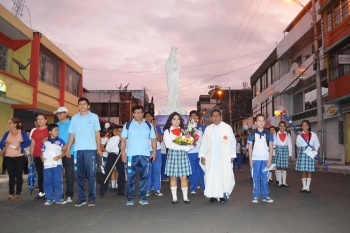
[[53, 150], [260, 155]]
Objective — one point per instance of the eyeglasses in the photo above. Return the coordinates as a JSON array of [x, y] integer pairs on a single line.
[[138, 112]]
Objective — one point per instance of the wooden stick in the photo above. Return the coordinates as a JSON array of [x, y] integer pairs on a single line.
[[112, 168]]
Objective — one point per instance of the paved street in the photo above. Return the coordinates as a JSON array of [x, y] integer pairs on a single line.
[[325, 210]]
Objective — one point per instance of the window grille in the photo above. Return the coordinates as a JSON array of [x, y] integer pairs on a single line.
[[3, 57], [49, 68], [72, 81]]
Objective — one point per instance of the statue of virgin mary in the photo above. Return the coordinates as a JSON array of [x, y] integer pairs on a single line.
[[173, 68]]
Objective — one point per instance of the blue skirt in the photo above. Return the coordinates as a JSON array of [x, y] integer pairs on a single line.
[[304, 162], [177, 164], [282, 154]]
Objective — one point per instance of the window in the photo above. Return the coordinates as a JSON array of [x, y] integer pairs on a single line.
[[258, 86], [264, 82], [328, 21], [273, 73], [339, 70], [310, 99], [298, 101], [264, 110], [72, 81], [3, 57], [345, 8], [255, 111], [337, 14], [49, 68], [105, 109], [276, 101]]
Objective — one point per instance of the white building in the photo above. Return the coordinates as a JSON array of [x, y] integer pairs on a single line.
[[287, 78]]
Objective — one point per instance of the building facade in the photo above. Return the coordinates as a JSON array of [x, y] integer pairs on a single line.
[[336, 33], [35, 75], [287, 78], [116, 105]]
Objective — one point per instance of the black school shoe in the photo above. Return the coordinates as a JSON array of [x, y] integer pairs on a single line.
[[212, 200], [222, 201]]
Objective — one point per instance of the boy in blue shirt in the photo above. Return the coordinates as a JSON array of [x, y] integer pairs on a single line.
[[260, 155], [53, 150]]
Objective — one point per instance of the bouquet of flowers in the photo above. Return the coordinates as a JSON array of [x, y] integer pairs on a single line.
[[189, 136]]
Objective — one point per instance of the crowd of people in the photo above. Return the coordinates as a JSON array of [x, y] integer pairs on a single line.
[[141, 147]]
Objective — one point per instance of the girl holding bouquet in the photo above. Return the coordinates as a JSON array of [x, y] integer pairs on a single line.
[[177, 164]]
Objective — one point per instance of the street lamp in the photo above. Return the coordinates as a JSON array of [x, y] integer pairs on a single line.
[[229, 103], [318, 77]]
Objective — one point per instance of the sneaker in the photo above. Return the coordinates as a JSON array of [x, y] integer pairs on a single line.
[[255, 200], [41, 196], [61, 202], [69, 199], [143, 202], [148, 194], [158, 193], [130, 202], [193, 192], [80, 203], [91, 203], [267, 200], [48, 202]]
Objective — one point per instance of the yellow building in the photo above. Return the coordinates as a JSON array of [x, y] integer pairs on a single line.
[[35, 75]]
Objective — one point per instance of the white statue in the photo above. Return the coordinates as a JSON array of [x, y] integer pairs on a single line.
[[173, 68]]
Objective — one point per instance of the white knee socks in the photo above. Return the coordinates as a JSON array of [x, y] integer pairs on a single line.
[[270, 176], [278, 177], [304, 183], [284, 177], [308, 182], [174, 193], [184, 193]]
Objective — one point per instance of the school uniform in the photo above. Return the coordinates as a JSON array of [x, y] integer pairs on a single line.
[[260, 156], [304, 162], [238, 158], [53, 169], [283, 151], [197, 171], [177, 164]]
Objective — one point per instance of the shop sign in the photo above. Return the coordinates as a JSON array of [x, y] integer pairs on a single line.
[[331, 109], [304, 115], [344, 59]]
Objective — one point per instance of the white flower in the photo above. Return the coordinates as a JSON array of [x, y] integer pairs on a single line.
[[183, 137], [191, 138]]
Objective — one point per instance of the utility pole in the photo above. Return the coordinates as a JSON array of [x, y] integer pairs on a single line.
[[318, 79]]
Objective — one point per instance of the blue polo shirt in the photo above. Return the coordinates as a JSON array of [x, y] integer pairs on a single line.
[[84, 129], [138, 137], [63, 133]]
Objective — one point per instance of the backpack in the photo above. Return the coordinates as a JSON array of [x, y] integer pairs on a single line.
[[129, 122], [267, 136]]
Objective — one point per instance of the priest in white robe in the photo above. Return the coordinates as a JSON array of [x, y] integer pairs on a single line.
[[217, 152]]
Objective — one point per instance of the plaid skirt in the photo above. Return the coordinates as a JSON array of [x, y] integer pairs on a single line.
[[304, 162], [273, 160], [177, 164], [282, 154]]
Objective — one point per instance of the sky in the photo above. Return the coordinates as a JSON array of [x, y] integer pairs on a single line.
[[117, 42]]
